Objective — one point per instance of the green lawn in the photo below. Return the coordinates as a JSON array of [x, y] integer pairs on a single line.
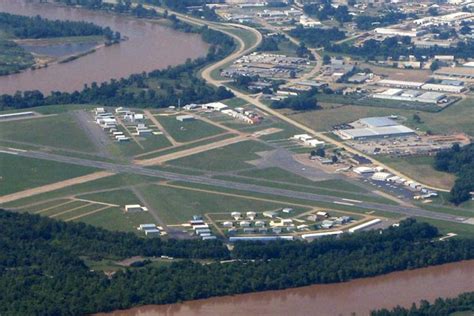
[[278, 174], [59, 131], [20, 173], [118, 197], [228, 158], [454, 119], [111, 182], [176, 205], [188, 131], [115, 219], [420, 169]]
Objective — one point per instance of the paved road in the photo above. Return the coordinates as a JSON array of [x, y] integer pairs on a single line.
[[134, 169]]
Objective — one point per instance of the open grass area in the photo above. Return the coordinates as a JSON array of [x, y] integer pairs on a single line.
[[117, 197], [188, 131], [454, 119], [21, 173], [186, 146], [228, 158], [176, 205], [367, 100], [112, 182], [115, 219], [281, 175], [420, 169], [58, 131]]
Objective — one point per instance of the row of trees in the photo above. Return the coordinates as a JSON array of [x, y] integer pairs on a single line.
[[458, 160], [449, 306], [302, 102], [367, 22], [38, 27], [317, 37], [401, 46], [42, 268], [326, 11]]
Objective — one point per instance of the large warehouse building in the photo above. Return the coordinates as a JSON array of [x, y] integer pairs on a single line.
[[374, 127]]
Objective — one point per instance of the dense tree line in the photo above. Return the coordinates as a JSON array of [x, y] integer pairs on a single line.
[[38, 27], [441, 307], [317, 37], [302, 102], [401, 46], [367, 22], [324, 12], [43, 269], [458, 160]]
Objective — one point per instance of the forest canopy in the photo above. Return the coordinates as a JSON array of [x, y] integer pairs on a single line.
[[43, 264]]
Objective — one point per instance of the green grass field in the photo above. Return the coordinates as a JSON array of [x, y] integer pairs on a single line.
[[454, 119], [114, 219], [421, 169], [111, 182], [278, 174], [175, 205], [226, 158], [59, 131], [188, 131], [20, 173]]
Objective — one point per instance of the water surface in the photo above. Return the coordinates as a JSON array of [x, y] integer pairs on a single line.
[[150, 46]]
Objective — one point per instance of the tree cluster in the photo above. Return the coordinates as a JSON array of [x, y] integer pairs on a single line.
[[448, 306], [458, 160], [38, 27], [43, 269], [401, 46], [367, 22], [340, 14], [301, 102], [317, 37]]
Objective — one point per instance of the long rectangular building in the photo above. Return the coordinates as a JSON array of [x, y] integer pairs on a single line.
[[375, 132]]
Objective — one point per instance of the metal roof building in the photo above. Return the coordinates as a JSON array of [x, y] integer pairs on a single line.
[[375, 132], [377, 121]]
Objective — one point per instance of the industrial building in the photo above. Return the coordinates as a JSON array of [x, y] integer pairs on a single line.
[[410, 96], [450, 88], [399, 32], [375, 132], [185, 118], [466, 73]]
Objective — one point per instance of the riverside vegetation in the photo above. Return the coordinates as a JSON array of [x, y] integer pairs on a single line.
[[13, 58], [43, 264]]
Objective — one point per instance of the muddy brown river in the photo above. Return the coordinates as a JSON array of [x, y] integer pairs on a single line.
[[358, 296], [150, 46]]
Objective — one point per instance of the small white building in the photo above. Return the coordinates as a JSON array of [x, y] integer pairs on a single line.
[[228, 224], [134, 208], [152, 232], [270, 214], [244, 224], [185, 118], [236, 215], [251, 215]]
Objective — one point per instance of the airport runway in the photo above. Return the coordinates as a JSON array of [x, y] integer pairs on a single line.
[[134, 169]]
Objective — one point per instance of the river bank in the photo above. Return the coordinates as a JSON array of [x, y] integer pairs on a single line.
[[150, 46], [358, 296]]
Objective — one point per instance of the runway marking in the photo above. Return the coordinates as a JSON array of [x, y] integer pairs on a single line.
[[343, 203], [349, 200], [8, 152]]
